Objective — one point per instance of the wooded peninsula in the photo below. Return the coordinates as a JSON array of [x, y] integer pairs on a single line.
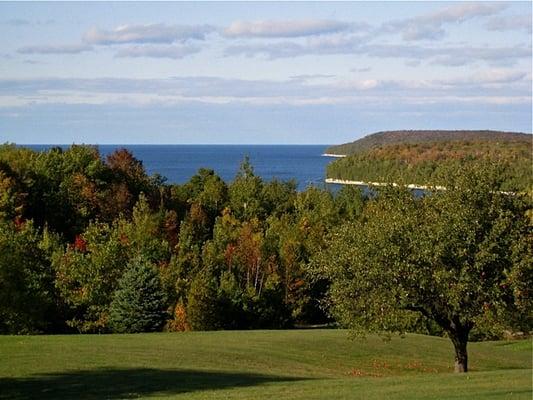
[[425, 157]]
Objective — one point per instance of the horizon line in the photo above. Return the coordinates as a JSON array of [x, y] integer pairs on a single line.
[[169, 144]]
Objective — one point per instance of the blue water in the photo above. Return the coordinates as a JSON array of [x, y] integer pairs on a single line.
[[178, 163]]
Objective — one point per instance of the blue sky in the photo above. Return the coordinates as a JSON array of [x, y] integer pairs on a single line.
[[260, 72]]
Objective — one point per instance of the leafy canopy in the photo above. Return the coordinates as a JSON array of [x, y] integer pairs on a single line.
[[455, 257]]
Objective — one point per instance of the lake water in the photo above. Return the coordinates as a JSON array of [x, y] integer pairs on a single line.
[[178, 163]]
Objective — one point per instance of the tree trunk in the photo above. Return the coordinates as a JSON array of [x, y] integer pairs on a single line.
[[460, 340]]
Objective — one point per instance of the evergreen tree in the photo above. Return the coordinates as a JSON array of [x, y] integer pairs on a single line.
[[139, 304]]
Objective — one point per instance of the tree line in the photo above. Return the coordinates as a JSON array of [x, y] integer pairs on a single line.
[[388, 138], [93, 245], [80, 235]]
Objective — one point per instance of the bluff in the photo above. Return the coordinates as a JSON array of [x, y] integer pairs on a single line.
[[385, 138]]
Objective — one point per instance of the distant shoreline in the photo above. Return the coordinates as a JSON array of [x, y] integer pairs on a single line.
[[334, 155], [361, 183]]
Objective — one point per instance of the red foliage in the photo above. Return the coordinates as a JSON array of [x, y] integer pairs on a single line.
[[80, 244], [19, 222]]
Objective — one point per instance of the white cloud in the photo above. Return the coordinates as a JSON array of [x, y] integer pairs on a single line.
[[440, 55], [174, 52], [55, 49], [365, 84], [431, 26], [311, 77], [464, 11], [508, 86], [510, 23], [314, 46], [284, 29], [488, 78], [150, 33], [458, 56], [361, 69]]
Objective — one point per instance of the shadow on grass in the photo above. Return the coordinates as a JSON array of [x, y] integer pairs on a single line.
[[126, 383]]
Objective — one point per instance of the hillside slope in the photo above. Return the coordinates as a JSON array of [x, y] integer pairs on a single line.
[[423, 136], [296, 365]]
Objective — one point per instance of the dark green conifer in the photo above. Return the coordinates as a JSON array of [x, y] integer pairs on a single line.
[[139, 303]]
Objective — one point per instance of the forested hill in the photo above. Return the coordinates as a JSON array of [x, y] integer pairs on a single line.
[[423, 136], [427, 163]]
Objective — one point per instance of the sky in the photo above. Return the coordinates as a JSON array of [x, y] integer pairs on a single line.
[[260, 72]]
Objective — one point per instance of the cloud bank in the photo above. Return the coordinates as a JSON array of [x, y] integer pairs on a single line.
[[172, 52], [511, 23], [55, 49], [501, 86], [431, 26], [150, 33], [288, 29]]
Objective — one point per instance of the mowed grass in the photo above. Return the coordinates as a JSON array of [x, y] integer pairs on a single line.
[[295, 364]]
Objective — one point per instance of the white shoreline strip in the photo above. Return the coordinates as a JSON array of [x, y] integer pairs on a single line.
[[409, 186], [334, 155], [361, 183]]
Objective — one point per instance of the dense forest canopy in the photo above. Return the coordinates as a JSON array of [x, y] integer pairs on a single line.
[[427, 163], [98, 245], [386, 138], [227, 255]]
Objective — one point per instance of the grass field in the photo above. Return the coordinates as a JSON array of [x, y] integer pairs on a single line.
[[297, 364]]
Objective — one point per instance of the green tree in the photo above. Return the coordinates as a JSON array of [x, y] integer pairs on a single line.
[[139, 304], [143, 234], [245, 193], [350, 202], [279, 197], [87, 273], [450, 256], [213, 194], [202, 306], [27, 295]]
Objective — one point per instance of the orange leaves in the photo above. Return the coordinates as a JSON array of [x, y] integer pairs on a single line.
[[179, 323], [171, 228], [229, 253], [197, 215], [123, 239], [122, 160], [85, 189]]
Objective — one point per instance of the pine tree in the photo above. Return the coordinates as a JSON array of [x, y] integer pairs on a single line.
[[139, 303]]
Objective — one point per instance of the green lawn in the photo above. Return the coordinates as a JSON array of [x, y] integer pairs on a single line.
[[296, 364]]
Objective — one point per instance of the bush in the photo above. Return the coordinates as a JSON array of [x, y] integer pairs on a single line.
[[139, 304]]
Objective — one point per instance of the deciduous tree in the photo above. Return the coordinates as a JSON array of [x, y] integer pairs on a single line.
[[450, 256]]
